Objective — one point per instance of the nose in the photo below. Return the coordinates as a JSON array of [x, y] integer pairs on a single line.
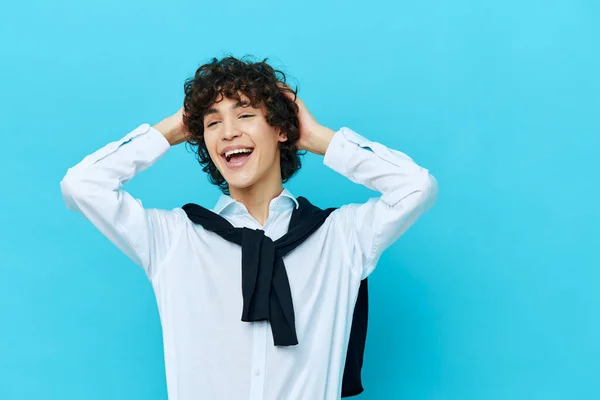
[[230, 131]]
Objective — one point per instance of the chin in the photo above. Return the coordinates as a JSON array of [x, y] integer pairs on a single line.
[[240, 182]]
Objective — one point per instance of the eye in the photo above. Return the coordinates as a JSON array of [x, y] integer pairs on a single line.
[[246, 115], [211, 124]]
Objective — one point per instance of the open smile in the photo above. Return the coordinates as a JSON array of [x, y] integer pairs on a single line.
[[236, 157]]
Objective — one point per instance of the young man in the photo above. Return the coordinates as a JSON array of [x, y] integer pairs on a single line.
[[208, 267]]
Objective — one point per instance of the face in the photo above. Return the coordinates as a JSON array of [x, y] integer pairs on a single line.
[[243, 146]]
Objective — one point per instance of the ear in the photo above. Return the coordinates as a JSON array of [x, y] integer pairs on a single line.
[[282, 137]]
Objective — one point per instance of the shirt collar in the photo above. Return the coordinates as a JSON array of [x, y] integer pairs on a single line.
[[225, 201]]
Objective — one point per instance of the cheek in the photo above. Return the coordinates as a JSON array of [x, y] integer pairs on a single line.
[[268, 139], [210, 146]]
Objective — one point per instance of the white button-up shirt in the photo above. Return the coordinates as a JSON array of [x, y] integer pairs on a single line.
[[196, 275]]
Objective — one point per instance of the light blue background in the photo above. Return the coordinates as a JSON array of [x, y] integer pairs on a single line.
[[492, 295]]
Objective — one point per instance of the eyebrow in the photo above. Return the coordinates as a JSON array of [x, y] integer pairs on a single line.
[[233, 107]]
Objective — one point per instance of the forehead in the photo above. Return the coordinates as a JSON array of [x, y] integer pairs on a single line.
[[224, 104], [221, 97]]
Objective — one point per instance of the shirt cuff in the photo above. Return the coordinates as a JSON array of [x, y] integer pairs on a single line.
[[157, 140], [342, 148]]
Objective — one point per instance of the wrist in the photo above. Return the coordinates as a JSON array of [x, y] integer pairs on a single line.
[[320, 139], [170, 132]]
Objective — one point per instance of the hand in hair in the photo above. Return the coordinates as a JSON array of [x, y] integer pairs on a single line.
[[173, 128], [314, 137]]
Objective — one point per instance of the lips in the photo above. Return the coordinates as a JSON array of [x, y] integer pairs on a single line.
[[236, 161]]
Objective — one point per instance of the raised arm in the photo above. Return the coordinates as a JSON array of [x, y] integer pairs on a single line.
[[407, 189], [93, 188], [407, 192]]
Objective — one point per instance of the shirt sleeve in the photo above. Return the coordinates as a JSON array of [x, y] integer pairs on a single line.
[[93, 188], [407, 192]]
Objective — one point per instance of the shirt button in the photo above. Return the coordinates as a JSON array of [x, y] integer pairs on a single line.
[[260, 324], [257, 372]]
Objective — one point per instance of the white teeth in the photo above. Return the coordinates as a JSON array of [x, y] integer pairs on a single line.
[[229, 153]]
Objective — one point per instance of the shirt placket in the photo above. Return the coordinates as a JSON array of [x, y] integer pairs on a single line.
[[259, 348]]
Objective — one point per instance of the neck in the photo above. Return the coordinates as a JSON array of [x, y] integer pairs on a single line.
[[257, 198]]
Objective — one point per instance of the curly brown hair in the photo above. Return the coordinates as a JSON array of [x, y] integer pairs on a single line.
[[262, 84]]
